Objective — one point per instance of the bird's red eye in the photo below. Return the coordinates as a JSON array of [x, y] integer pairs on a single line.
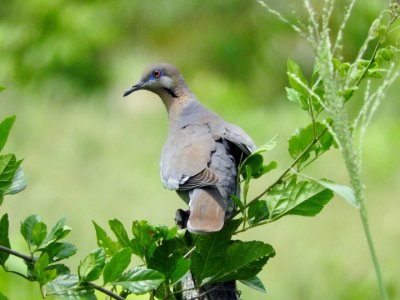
[[156, 73]]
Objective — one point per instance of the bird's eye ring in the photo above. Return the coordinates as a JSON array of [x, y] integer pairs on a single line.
[[156, 73]]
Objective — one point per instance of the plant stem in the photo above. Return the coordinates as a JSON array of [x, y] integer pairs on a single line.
[[374, 257], [27, 258], [353, 165], [105, 291]]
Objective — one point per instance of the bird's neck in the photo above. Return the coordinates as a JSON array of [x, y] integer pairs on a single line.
[[175, 101]]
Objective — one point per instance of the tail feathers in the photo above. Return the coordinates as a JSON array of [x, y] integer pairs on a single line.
[[207, 211]]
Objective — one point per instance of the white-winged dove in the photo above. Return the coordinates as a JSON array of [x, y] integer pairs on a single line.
[[201, 155]]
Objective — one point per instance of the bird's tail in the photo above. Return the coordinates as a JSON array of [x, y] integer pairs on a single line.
[[207, 211]]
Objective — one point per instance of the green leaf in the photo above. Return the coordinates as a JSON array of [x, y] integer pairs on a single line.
[[209, 256], [60, 269], [385, 54], [2, 297], [18, 183], [41, 272], [58, 251], [66, 286], [296, 77], [182, 266], [4, 239], [305, 198], [257, 211], [171, 233], [115, 267], [254, 283], [118, 228], [61, 284], [297, 97], [104, 241], [91, 267], [167, 256], [59, 231], [2, 88], [238, 202], [253, 166], [303, 137], [39, 232], [143, 243], [8, 167], [244, 260], [33, 230], [5, 128], [140, 280], [347, 193]]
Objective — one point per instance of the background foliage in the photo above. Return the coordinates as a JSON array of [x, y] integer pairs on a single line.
[[66, 64]]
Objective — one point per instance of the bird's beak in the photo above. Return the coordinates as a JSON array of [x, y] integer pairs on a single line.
[[134, 88]]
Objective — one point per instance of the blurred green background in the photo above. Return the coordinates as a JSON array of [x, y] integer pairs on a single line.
[[92, 155]]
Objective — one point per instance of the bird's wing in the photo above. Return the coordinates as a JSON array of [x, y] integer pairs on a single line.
[[238, 137], [185, 158]]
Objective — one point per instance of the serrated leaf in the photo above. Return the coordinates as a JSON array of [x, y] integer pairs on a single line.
[[18, 183], [140, 280], [61, 284], [119, 230], [66, 286], [257, 211], [4, 239], [5, 128], [91, 267], [254, 283], [210, 253], [167, 256], [303, 137], [304, 198], [33, 230], [104, 241], [116, 266], [244, 260]]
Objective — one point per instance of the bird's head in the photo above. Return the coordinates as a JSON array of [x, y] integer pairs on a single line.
[[162, 79]]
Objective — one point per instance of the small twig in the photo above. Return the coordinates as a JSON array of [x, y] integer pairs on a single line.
[[26, 258], [105, 291], [378, 45]]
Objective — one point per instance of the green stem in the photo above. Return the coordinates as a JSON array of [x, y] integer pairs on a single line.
[[371, 246], [353, 166]]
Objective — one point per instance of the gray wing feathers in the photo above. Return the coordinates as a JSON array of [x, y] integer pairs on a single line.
[[185, 154], [236, 135]]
